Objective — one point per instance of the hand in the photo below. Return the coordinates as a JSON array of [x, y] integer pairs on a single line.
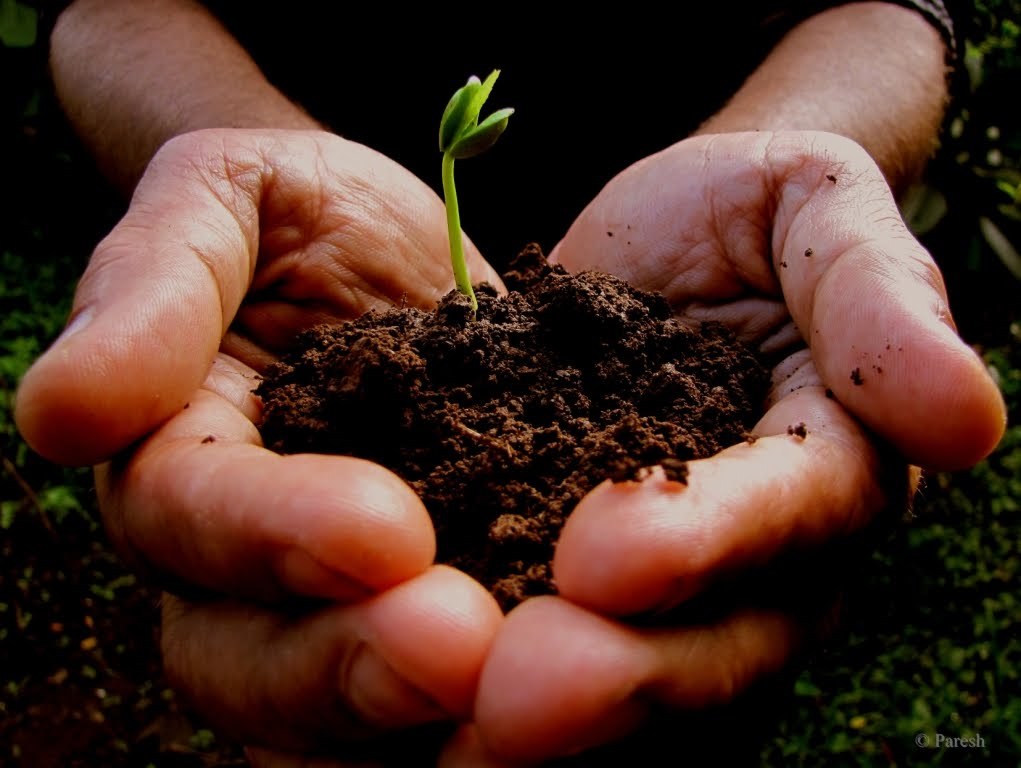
[[234, 241], [794, 241]]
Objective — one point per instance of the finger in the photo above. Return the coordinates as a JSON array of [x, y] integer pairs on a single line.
[[634, 547], [722, 223], [202, 502], [409, 656], [873, 306], [597, 680]]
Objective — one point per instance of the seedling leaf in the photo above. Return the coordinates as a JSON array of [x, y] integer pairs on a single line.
[[483, 136], [455, 116], [481, 96]]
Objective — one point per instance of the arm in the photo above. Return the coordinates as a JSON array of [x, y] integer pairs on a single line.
[[873, 72], [132, 75]]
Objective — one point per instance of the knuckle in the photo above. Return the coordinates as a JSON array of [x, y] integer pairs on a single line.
[[817, 160]]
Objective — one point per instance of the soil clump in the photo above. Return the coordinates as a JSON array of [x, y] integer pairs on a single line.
[[502, 423]]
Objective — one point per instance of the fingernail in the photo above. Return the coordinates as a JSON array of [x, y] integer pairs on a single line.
[[383, 697]]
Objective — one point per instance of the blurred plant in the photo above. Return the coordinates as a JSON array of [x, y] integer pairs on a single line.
[[39, 263], [932, 642], [19, 24], [971, 199]]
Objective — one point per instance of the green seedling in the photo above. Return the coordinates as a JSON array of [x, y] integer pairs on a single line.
[[461, 136]]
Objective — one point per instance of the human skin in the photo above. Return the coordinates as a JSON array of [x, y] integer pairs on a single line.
[[293, 215], [869, 299]]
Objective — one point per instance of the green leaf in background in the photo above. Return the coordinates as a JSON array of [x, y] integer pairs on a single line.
[[1001, 245], [805, 687], [8, 508], [19, 24], [923, 207]]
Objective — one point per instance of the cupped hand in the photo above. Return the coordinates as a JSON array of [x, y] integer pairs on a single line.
[[795, 242], [234, 241]]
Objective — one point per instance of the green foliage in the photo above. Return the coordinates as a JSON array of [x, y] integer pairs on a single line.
[[202, 740], [996, 30], [971, 202], [935, 647], [18, 24], [37, 295], [463, 136]]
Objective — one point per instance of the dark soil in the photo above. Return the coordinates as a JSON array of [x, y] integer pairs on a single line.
[[79, 654], [503, 422]]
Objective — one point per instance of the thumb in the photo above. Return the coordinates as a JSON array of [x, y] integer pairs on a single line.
[[872, 305], [152, 306], [726, 226]]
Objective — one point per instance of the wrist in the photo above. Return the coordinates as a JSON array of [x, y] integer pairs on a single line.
[[132, 76], [873, 72]]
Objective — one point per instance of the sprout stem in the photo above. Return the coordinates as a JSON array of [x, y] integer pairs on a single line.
[[461, 277]]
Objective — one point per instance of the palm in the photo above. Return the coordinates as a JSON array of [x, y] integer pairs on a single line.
[[751, 230], [786, 242], [341, 230], [707, 230]]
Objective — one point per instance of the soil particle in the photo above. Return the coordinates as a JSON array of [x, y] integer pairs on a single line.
[[808, 252], [674, 470], [831, 177], [856, 377], [503, 423], [208, 439], [798, 430]]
